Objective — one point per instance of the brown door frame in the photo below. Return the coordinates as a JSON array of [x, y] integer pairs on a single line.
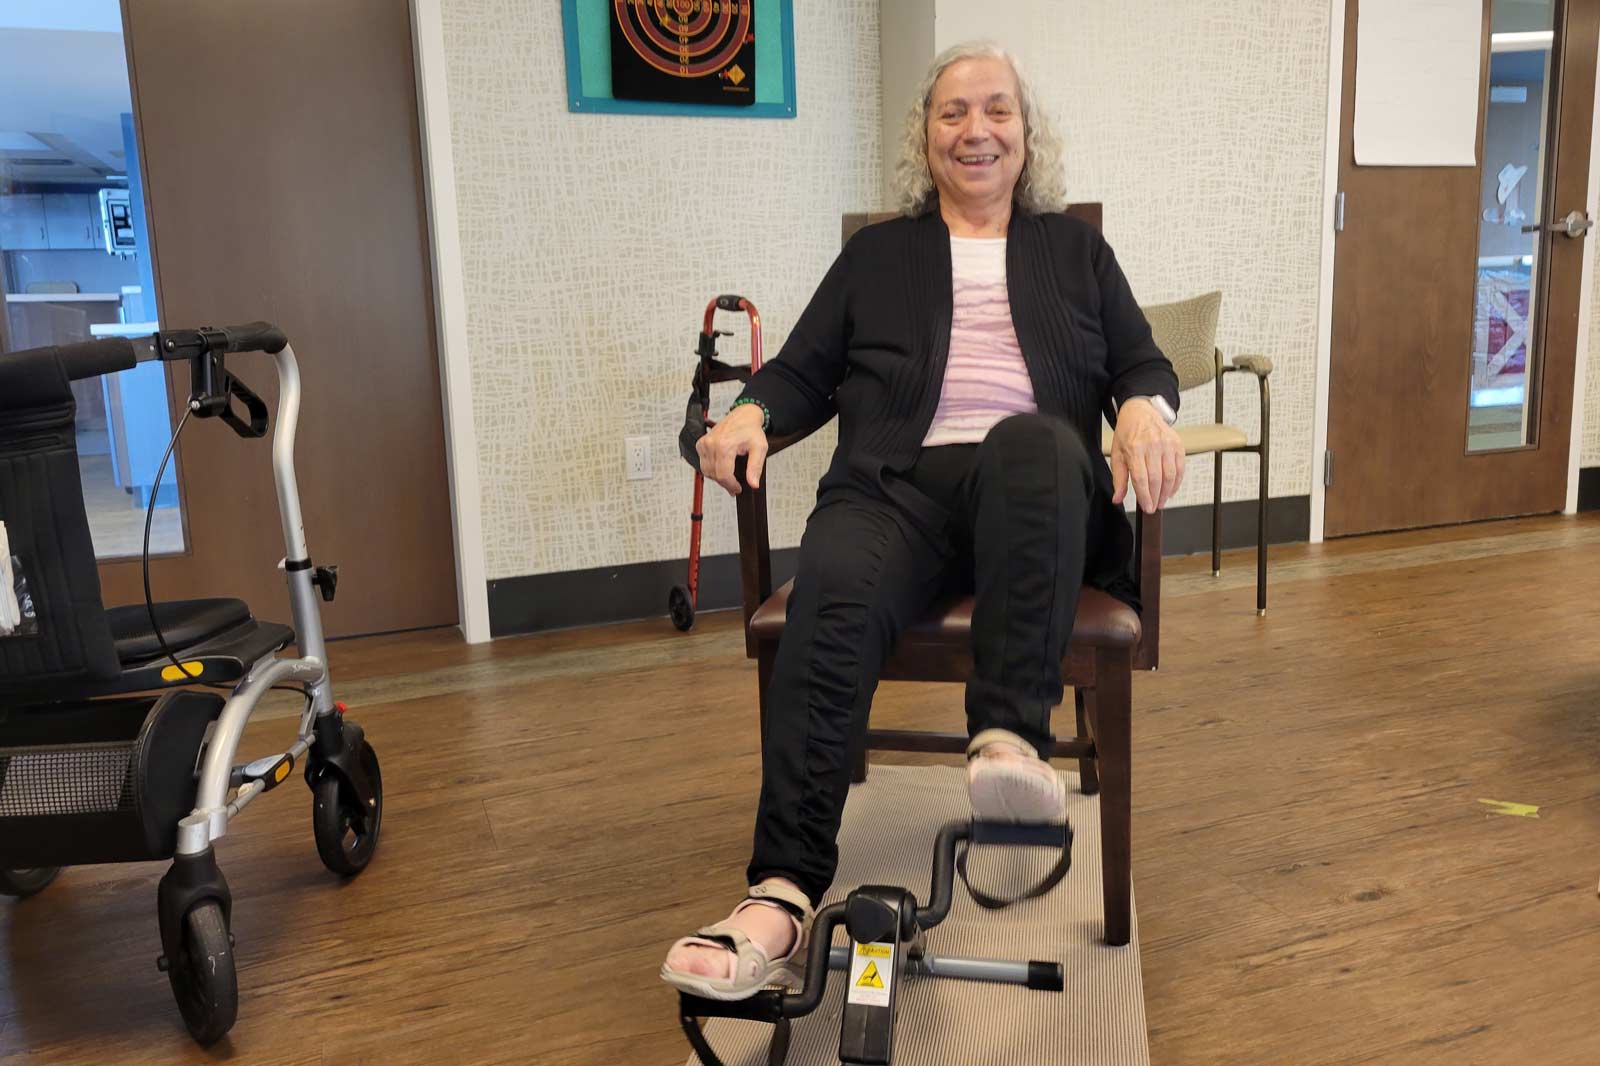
[[1539, 480]]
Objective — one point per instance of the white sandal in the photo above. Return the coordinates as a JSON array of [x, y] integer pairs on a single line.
[[1013, 790], [752, 970]]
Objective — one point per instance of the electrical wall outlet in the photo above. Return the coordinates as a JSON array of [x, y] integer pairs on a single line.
[[638, 458]]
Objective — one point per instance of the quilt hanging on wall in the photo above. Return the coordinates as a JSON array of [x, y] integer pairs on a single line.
[[684, 51]]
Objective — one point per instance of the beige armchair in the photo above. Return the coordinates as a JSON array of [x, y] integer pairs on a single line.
[[1186, 332]]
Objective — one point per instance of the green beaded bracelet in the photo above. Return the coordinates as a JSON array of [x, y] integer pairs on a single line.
[[766, 415]]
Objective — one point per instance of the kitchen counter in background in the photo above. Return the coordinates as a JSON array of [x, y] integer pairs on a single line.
[[37, 319], [62, 297]]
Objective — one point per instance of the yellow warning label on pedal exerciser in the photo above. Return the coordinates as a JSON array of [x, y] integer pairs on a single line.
[[871, 973]]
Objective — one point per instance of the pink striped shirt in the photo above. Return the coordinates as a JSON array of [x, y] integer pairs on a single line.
[[985, 379]]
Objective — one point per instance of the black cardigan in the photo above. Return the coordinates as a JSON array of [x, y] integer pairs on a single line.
[[872, 344]]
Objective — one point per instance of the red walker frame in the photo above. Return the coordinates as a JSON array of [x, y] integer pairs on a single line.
[[683, 599]]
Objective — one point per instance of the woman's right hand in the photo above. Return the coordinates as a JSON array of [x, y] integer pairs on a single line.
[[738, 434]]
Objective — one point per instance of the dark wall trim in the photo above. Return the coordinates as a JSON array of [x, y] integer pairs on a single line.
[[626, 593], [616, 593], [1188, 529], [1589, 489]]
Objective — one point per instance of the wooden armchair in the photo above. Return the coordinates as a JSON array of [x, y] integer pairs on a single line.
[[1109, 641]]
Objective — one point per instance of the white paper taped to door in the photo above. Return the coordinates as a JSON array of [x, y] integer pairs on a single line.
[[1417, 83]]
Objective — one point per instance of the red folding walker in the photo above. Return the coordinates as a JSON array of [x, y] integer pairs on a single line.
[[683, 599]]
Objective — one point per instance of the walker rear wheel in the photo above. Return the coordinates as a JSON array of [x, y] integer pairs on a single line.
[[681, 608]]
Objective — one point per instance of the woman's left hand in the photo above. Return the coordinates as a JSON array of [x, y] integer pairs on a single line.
[[1146, 453]]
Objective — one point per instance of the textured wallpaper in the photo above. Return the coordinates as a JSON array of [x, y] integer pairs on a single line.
[[591, 245], [1201, 127]]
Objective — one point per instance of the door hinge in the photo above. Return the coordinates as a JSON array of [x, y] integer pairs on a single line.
[[1338, 213], [1327, 469]]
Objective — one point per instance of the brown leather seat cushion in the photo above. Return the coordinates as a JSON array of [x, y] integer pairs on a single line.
[[1103, 621]]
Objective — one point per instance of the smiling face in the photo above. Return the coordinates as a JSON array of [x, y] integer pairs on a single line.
[[975, 133]]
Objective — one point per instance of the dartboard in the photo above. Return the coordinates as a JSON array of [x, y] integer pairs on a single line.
[[684, 51]]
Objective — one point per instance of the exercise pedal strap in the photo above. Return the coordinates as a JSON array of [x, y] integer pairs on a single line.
[[1055, 834], [764, 1006]]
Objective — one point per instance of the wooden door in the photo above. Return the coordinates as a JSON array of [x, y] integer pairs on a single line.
[[1411, 301], [282, 170]]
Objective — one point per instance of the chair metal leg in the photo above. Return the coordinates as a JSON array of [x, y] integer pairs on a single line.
[[1113, 725], [1216, 514], [1261, 535], [1264, 499], [1088, 771]]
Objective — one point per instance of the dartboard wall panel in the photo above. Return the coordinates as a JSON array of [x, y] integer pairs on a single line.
[[684, 51]]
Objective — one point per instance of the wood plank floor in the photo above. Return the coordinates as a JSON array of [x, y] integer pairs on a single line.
[[1318, 880]]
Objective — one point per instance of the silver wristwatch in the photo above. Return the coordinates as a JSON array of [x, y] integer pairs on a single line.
[[1163, 408]]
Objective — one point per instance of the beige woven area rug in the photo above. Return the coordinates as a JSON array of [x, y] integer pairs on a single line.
[[889, 827]]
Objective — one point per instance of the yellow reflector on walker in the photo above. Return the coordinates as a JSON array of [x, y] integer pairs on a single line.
[[191, 669], [283, 770]]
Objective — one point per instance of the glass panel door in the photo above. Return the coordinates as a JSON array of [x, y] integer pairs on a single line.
[[74, 253], [1511, 230]]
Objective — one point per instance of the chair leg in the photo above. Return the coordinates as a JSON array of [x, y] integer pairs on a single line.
[[858, 758], [1088, 772], [1113, 705], [766, 657], [1216, 514], [1261, 535]]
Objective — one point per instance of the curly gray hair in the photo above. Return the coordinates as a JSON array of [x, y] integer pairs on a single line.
[[1042, 184]]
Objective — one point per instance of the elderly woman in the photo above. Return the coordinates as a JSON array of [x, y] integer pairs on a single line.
[[968, 348]]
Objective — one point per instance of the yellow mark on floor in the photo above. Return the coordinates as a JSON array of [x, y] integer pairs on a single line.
[[1515, 810]]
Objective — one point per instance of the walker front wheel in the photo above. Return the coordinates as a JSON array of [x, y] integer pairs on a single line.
[[204, 980], [681, 607]]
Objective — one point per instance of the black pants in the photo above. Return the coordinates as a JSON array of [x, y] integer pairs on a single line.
[[1018, 536]]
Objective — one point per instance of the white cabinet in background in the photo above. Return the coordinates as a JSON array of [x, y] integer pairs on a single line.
[[72, 220], [22, 222]]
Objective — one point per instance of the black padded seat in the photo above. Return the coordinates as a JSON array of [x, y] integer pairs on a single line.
[[184, 624]]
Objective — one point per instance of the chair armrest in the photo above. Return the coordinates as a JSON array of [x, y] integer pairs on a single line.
[[755, 548], [778, 444], [1147, 558], [1259, 365]]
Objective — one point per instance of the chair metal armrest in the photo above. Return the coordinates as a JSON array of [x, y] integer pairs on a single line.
[[1259, 365]]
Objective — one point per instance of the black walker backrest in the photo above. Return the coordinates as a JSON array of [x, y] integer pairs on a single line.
[[41, 504]]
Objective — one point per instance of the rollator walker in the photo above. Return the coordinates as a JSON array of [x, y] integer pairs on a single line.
[[114, 746]]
